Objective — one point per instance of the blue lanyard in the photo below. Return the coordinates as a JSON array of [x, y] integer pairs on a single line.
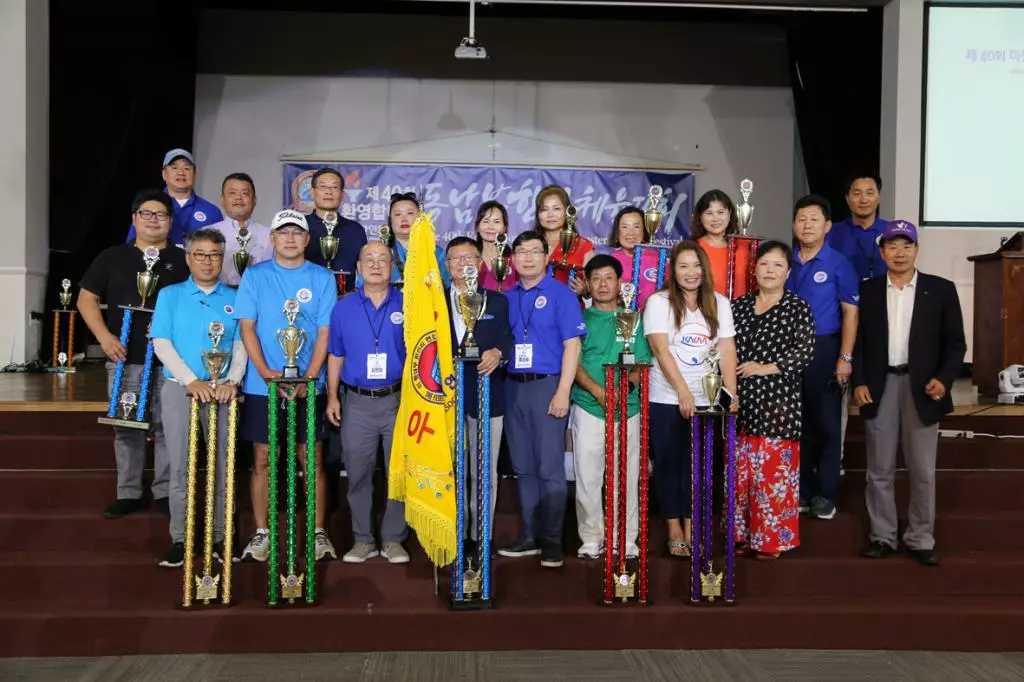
[[528, 318]]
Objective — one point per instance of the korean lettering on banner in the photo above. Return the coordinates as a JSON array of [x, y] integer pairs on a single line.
[[452, 195]]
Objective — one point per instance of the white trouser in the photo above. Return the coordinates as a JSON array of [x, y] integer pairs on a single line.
[[589, 455]]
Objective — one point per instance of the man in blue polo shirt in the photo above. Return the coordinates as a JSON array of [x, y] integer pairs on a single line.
[[366, 357], [190, 211], [328, 190], [825, 279], [858, 236], [181, 332], [546, 326], [259, 308]]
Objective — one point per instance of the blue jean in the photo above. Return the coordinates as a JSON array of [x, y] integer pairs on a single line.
[[536, 443], [821, 441]]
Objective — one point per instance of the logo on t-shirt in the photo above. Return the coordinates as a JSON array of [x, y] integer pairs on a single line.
[[304, 295], [200, 216], [582, 327], [820, 276], [228, 309], [651, 274], [540, 302], [397, 317]]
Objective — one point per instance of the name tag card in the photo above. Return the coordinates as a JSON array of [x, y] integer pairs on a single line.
[[377, 366], [524, 356]]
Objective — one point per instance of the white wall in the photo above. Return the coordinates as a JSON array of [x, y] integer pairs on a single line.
[[24, 132], [246, 123], [944, 251]]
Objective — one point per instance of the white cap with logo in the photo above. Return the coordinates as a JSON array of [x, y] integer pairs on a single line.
[[288, 217]]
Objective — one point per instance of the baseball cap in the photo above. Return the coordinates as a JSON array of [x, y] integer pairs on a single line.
[[178, 153], [899, 228], [288, 217]]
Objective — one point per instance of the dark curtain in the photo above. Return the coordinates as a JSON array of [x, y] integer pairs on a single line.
[[122, 92], [835, 64]]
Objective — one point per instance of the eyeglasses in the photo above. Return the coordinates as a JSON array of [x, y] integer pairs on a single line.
[[146, 214], [470, 258], [529, 252], [204, 257]]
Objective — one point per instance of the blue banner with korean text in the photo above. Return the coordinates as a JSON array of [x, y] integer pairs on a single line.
[[451, 194]]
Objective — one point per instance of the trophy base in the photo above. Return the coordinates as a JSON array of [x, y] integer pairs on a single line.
[[290, 372], [470, 604], [136, 308], [291, 380], [61, 370], [627, 358], [124, 423], [470, 354]]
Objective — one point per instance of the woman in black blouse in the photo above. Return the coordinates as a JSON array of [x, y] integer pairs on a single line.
[[774, 342]]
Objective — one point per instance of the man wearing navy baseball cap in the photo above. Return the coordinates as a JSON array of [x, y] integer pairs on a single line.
[[910, 346], [191, 211]]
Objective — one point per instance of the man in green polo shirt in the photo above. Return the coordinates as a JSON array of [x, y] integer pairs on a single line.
[[602, 346]]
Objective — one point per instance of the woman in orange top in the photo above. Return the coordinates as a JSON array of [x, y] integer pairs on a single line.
[[713, 220], [550, 220]]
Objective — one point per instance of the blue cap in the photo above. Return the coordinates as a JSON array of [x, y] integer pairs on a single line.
[[174, 154], [899, 228]]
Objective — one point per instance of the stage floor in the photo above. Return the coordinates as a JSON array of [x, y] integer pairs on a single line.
[[86, 391]]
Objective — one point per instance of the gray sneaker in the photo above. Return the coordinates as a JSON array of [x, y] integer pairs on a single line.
[[360, 552], [395, 553], [822, 508], [324, 548]]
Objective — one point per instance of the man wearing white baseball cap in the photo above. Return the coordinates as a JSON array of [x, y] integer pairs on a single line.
[[259, 307], [191, 211]]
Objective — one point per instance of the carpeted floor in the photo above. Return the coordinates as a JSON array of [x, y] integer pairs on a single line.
[[565, 666]]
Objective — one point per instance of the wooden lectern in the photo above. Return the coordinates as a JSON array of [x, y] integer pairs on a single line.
[[998, 313]]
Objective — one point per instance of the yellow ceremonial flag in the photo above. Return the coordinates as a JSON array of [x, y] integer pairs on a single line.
[[421, 472]]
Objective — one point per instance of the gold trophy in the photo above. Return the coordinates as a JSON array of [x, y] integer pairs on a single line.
[[62, 361], [712, 381], [386, 239], [291, 339], [329, 244], [470, 307], [568, 235], [653, 215], [215, 359], [626, 321], [242, 257], [500, 263], [146, 281]]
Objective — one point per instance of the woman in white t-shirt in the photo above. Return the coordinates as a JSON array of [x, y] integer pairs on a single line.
[[683, 322]]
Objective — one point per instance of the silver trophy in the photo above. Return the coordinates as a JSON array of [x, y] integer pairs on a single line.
[[626, 321], [128, 402], [745, 210], [242, 257]]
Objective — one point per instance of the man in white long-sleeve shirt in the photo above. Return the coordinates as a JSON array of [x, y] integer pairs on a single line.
[[180, 333]]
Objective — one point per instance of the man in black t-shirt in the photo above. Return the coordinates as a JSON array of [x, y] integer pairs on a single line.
[[111, 279]]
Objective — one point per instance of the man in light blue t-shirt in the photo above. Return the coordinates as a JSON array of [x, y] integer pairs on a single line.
[[259, 308]]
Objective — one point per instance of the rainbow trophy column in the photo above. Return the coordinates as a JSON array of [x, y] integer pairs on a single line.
[[134, 407], [293, 584], [471, 572], [706, 584], [625, 578]]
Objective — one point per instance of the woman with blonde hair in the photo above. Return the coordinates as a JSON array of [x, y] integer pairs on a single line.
[[684, 322]]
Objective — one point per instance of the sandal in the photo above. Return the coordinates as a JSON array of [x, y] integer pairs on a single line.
[[767, 556], [679, 549]]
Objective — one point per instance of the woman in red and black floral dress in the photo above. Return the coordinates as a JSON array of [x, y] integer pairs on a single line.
[[774, 342]]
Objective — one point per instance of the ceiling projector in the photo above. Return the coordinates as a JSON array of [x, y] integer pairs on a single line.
[[470, 49]]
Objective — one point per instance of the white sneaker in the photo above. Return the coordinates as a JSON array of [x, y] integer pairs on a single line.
[[589, 550], [395, 553], [360, 552], [323, 549], [258, 548]]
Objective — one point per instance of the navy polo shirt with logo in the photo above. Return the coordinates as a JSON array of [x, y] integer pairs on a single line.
[[112, 277], [860, 246], [194, 214], [545, 316], [351, 236], [825, 282], [359, 329]]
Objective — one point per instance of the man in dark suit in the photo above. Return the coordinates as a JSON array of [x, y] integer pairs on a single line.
[[910, 346], [494, 338]]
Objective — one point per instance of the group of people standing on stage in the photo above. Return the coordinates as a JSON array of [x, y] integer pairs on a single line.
[[846, 307]]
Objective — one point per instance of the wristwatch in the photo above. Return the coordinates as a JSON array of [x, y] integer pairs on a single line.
[[846, 356]]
